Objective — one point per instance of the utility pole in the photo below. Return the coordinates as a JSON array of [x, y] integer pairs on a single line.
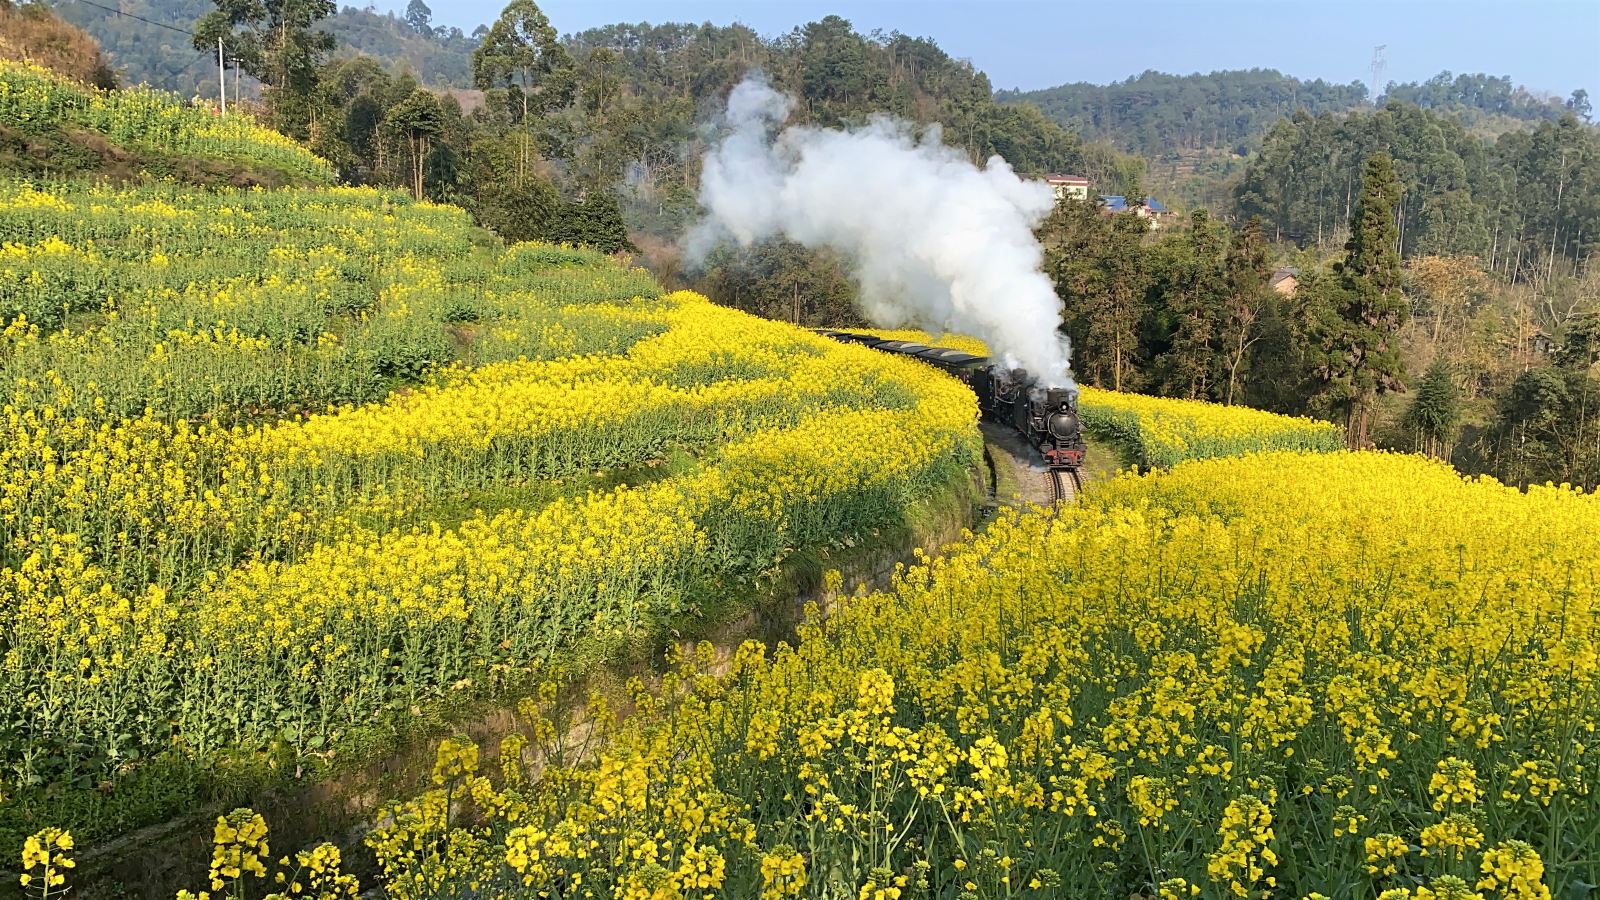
[[222, 78]]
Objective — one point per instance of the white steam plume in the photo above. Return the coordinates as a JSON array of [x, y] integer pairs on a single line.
[[936, 242]]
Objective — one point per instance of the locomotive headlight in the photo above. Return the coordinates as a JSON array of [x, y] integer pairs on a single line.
[[1064, 424]]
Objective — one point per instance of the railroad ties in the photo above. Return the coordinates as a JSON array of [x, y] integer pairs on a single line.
[[1064, 485]]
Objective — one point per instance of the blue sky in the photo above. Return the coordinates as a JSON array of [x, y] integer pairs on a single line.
[[1547, 45]]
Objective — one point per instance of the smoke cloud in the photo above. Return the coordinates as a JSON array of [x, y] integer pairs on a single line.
[[935, 242]]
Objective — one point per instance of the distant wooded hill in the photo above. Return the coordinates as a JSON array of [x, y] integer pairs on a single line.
[[163, 58], [1156, 114]]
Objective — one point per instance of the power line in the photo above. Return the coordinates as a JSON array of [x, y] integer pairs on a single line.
[[130, 15], [183, 71]]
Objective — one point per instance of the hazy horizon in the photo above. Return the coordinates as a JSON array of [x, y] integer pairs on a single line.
[[1548, 46]]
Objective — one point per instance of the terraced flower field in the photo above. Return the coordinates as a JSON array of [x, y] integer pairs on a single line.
[[1250, 677], [283, 467], [283, 472], [33, 98]]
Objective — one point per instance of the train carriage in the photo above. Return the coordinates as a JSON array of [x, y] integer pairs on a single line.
[[1047, 417]]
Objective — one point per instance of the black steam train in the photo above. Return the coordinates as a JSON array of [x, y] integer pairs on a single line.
[[1047, 417]]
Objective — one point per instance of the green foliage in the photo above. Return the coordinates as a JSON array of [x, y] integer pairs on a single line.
[[1475, 93], [595, 221], [1545, 428], [1193, 282], [1156, 113], [1356, 319], [520, 50], [1101, 273], [1435, 413], [276, 41], [417, 120], [144, 53], [517, 212], [439, 57], [1524, 203], [785, 281]]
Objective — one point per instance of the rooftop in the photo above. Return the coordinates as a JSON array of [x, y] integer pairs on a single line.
[[1119, 203]]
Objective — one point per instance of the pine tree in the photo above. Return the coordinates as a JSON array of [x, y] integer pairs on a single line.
[[596, 221], [1435, 412], [1364, 310]]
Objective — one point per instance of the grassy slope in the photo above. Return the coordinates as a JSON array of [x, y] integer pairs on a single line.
[[65, 152]]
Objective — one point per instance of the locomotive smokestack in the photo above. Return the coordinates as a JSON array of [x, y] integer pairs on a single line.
[[935, 242]]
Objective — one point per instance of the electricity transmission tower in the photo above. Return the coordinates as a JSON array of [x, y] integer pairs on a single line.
[[1380, 61]]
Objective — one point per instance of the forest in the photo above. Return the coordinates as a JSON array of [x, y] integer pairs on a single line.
[[1155, 113]]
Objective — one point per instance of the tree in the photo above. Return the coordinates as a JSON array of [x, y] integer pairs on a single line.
[[1545, 428], [1131, 173], [1435, 411], [417, 16], [418, 119], [1362, 315], [784, 280], [518, 212], [1099, 268], [522, 54], [1579, 104], [596, 222], [1247, 272], [276, 42], [1447, 286], [1580, 348], [1192, 286]]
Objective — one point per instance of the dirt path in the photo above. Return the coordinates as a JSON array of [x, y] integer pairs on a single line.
[[1019, 473]]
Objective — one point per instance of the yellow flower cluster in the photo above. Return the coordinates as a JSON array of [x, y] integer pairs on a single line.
[[46, 859], [1247, 677], [533, 450], [238, 847], [1163, 432], [35, 97]]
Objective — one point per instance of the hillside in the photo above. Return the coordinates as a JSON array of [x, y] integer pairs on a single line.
[[52, 127], [242, 423], [1163, 116], [142, 52], [32, 33], [458, 568], [1463, 193], [1155, 114]]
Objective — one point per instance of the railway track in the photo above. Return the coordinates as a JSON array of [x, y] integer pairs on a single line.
[[1064, 485]]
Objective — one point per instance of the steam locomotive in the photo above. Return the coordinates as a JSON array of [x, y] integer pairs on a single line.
[[1046, 417]]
